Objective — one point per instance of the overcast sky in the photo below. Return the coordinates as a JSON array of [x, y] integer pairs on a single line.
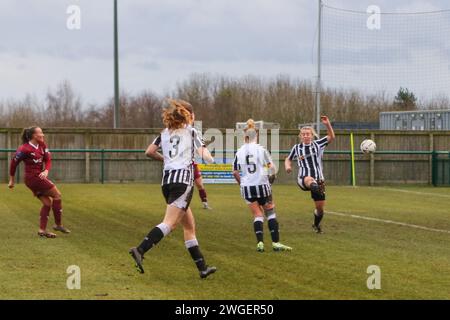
[[163, 41]]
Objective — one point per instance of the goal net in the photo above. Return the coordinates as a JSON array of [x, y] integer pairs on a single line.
[[374, 52]]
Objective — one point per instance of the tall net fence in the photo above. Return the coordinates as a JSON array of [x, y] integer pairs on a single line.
[[376, 54]]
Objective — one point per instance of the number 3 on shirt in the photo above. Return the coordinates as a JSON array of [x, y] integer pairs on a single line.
[[175, 141]]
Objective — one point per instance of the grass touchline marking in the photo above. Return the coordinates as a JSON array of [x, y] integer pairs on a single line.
[[387, 221], [414, 192]]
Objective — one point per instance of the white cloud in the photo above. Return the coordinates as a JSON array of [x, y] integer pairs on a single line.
[[161, 41]]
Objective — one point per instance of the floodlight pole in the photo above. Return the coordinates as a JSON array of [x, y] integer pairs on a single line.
[[116, 71], [319, 68]]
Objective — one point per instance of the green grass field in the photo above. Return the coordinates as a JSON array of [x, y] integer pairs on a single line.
[[106, 220]]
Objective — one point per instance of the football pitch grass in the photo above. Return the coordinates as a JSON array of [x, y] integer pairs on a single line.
[[409, 239]]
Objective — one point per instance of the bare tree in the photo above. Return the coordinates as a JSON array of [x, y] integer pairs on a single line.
[[219, 101]]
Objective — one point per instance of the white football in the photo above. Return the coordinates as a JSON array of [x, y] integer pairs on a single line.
[[368, 146]]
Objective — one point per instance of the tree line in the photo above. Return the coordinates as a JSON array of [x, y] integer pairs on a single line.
[[219, 101]]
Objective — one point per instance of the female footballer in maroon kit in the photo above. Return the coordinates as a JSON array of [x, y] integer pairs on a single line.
[[37, 159]]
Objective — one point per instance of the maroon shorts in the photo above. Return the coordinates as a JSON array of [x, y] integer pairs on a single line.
[[38, 186], [197, 172]]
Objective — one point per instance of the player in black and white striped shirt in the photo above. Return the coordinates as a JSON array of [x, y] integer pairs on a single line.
[[309, 154], [252, 167], [198, 179], [179, 142]]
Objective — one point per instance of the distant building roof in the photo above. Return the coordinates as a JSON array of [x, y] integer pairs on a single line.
[[415, 111], [356, 125], [420, 120], [345, 125]]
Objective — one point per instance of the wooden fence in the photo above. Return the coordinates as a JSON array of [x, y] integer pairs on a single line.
[[76, 166]]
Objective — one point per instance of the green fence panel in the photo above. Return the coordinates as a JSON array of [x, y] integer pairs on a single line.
[[440, 160]]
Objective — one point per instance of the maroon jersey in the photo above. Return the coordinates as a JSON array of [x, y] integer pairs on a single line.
[[35, 158]]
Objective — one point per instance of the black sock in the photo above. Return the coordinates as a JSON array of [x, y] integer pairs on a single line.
[[317, 218], [153, 237], [258, 226], [273, 227], [198, 258]]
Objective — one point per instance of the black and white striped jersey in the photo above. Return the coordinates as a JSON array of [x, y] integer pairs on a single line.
[[252, 162], [178, 149], [309, 158]]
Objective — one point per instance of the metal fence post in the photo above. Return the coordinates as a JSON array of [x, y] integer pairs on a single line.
[[102, 166], [443, 171], [448, 168], [372, 164], [351, 168], [87, 157], [431, 160], [434, 168], [352, 161], [8, 154]]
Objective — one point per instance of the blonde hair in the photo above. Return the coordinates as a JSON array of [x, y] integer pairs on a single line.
[[177, 115], [250, 131], [313, 131]]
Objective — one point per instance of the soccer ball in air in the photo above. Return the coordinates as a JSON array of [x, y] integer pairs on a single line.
[[368, 146]]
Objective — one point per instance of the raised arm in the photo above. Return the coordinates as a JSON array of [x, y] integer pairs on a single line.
[[330, 132]]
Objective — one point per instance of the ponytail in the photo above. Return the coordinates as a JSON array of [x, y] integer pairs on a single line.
[[176, 116], [250, 132], [27, 134], [250, 124]]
